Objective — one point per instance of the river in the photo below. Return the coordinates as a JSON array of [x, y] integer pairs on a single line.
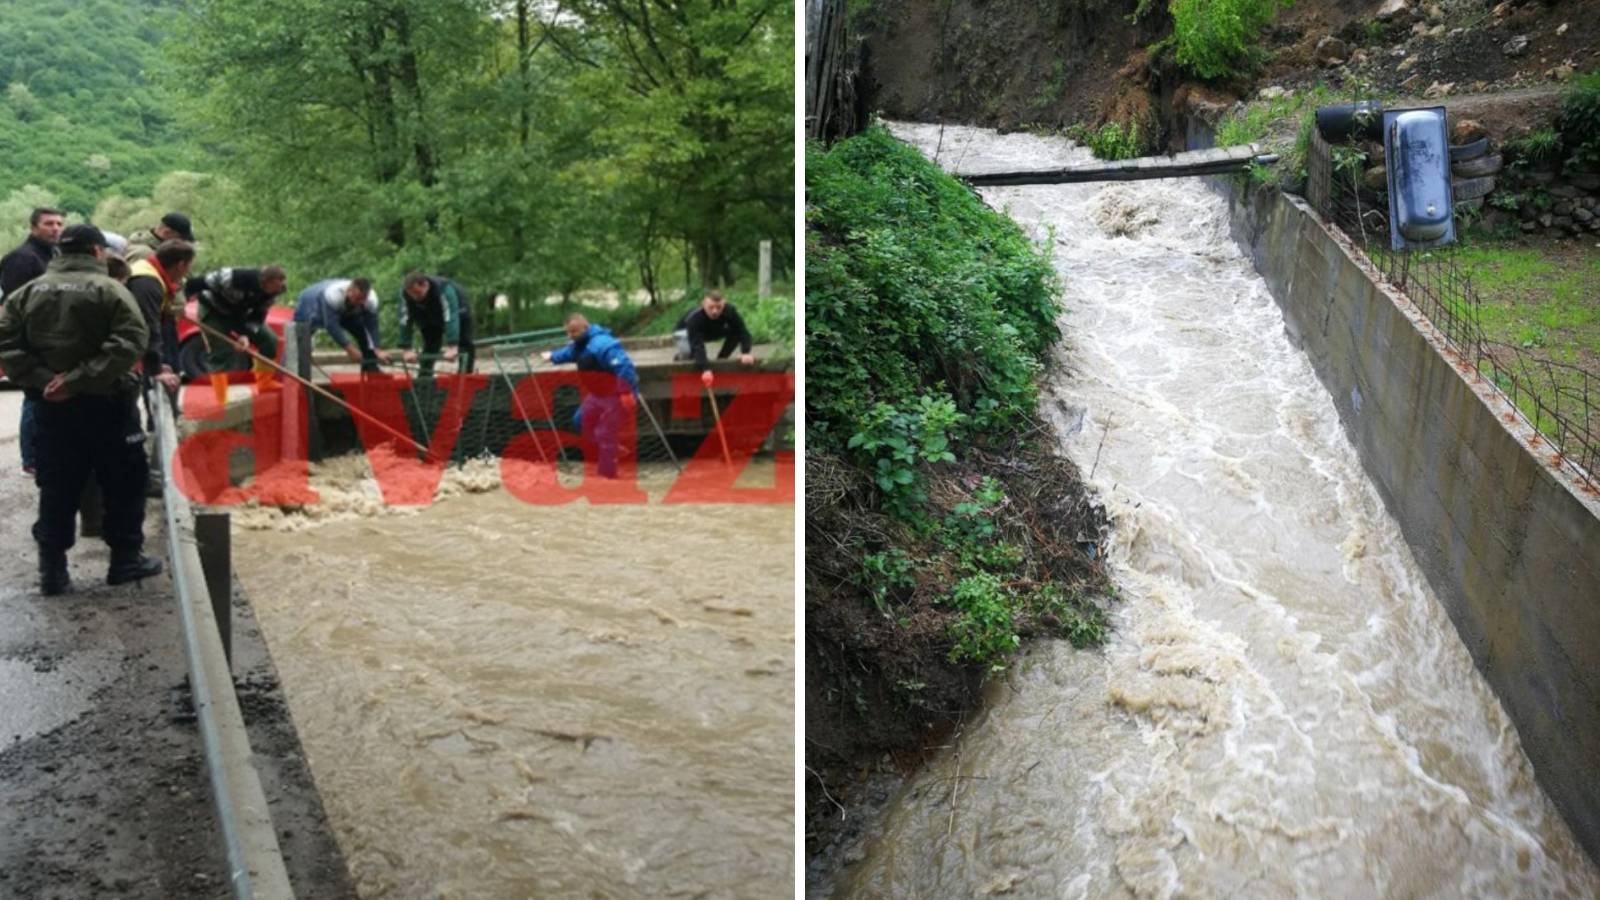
[[504, 700], [1284, 709]]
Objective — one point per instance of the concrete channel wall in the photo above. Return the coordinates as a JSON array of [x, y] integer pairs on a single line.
[[1510, 543]]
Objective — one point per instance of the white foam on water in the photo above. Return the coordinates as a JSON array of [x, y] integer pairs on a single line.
[[1284, 709]]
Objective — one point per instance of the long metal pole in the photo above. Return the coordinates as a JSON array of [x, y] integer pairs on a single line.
[[645, 404], [494, 353], [716, 415]]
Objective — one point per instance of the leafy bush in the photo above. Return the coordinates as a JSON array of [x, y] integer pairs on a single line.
[[915, 290], [1536, 147], [1110, 141], [985, 632], [893, 441], [1216, 38], [886, 573], [1579, 120]]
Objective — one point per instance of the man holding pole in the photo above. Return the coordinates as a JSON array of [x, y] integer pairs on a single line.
[[605, 401], [235, 302], [345, 307], [714, 320], [71, 338]]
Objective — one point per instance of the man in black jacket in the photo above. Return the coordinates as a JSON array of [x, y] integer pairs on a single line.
[[29, 260], [17, 268], [235, 301], [715, 319]]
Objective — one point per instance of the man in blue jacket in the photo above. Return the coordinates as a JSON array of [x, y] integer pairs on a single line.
[[345, 308], [606, 399]]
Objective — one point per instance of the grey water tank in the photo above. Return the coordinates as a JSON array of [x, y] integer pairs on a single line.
[[1417, 146]]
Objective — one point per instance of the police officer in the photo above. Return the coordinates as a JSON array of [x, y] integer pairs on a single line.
[[71, 338], [235, 301], [438, 308]]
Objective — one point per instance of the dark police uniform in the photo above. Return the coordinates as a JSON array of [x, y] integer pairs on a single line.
[[75, 319]]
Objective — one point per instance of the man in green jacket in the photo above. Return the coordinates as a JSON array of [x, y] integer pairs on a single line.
[[71, 337], [437, 307], [174, 226]]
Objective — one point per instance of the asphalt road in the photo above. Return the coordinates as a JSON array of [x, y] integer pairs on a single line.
[[103, 789]]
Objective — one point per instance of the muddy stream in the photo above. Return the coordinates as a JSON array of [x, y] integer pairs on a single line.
[[503, 700], [1284, 709]]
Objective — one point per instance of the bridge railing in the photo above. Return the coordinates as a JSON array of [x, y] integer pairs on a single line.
[[1560, 400]]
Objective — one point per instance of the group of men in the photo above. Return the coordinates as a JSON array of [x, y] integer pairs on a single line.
[[87, 319]]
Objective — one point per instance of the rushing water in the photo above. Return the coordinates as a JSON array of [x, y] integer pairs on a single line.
[[1284, 710], [503, 700]]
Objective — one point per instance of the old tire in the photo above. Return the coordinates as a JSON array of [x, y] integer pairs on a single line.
[[1477, 168], [192, 358], [1469, 150], [1471, 188], [1468, 206]]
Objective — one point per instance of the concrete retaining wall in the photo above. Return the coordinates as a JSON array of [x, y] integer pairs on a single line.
[[1510, 544]]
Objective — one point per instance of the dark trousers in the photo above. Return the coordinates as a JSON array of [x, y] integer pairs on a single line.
[[355, 327], [169, 343], [83, 437], [433, 345], [222, 355], [27, 433]]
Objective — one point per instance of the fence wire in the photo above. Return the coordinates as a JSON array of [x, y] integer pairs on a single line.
[[1558, 399], [499, 413]]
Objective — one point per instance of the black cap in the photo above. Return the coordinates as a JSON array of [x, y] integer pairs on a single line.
[[82, 239], [180, 223]]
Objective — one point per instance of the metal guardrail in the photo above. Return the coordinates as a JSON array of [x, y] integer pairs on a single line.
[[1560, 401], [255, 862]]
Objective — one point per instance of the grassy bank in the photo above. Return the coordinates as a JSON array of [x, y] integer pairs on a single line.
[[941, 528]]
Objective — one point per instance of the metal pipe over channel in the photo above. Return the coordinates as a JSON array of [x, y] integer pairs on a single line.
[[255, 862]]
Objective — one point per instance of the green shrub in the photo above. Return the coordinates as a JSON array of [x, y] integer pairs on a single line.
[[1536, 147], [985, 633], [885, 574], [893, 441], [1579, 120], [1217, 38], [1110, 141], [915, 290]]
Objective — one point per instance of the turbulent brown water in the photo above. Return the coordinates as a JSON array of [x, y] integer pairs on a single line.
[[502, 700], [1284, 709]]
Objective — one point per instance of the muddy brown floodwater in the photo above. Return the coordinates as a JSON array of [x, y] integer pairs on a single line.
[[503, 700], [1283, 709]]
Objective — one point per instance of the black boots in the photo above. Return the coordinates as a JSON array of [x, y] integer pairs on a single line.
[[131, 565], [53, 578]]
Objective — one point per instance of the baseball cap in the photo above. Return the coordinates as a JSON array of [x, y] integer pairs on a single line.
[[180, 223], [82, 237]]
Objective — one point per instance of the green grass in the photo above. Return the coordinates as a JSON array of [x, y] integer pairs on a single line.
[[1546, 304]]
